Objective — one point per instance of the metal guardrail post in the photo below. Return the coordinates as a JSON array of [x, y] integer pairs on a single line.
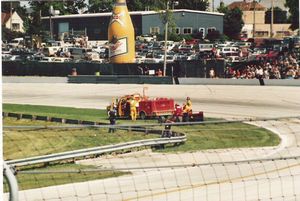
[[12, 182]]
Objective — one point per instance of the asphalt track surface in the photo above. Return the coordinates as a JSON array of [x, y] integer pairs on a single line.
[[269, 173]]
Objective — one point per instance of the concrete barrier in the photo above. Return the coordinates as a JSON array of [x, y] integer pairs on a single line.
[[120, 79], [253, 82]]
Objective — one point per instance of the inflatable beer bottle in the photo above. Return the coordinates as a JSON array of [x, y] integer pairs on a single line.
[[121, 35]]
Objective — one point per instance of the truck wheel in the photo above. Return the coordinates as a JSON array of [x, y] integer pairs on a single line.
[[161, 119], [142, 115]]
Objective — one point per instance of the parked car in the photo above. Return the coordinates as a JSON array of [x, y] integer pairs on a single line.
[[17, 43], [206, 47], [15, 58], [192, 42], [47, 59], [146, 38], [61, 59]]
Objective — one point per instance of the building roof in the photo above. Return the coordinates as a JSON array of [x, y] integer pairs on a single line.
[[246, 6], [5, 17], [131, 13]]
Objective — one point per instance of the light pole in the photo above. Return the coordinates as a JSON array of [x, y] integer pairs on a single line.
[[254, 19], [272, 18], [52, 12], [174, 3], [166, 38], [10, 16]]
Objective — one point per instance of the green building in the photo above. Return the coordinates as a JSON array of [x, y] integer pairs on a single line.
[[145, 22]]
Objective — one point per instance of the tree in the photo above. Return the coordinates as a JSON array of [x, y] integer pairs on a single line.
[[100, 6], [6, 7], [8, 35], [193, 4], [64, 7], [135, 5], [280, 16], [41, 8], [73, 7], [293, 6], [233, 22], [213, 35]]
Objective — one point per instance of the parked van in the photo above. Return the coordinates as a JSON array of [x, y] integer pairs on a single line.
[[206, 47], [225, 50]]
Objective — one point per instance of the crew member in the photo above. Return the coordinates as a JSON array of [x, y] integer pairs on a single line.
[[187, 110], [177, 112], [167, 132], [133, 112], [112, 119], [188, 104]]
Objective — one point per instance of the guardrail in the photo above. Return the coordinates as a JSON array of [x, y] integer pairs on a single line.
[[96, 150]]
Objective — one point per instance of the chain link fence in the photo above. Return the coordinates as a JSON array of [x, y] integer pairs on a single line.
[[195, 170]]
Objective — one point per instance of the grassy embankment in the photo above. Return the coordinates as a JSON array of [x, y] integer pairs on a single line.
[[32, 142]]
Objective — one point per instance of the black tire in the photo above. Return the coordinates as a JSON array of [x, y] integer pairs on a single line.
[[142, 115], [161, 119]]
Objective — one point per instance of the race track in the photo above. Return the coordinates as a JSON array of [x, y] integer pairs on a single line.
[[269, 173]]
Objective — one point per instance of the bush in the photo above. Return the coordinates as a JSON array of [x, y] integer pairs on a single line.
[[213, 35], [8, 35]]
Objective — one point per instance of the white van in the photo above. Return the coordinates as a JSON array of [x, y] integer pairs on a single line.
[[206, 47], [17, 42], [226, 50]]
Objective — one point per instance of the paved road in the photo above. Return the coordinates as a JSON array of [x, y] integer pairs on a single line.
[[223, 179], [218, 101]]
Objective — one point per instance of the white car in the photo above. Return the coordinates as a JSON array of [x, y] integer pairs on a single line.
[[61, 59], [15, 58], [145, 38], [47, 59]]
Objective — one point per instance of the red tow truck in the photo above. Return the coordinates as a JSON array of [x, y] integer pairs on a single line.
[[156, 107], [147, 108], [161, 108]]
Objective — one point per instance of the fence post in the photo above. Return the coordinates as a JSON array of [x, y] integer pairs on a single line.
[[8, 173]]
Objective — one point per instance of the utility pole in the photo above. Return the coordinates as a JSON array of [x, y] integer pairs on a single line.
[[10, 21], [272, 18], [50, 21], [166, 39], [254, 19]]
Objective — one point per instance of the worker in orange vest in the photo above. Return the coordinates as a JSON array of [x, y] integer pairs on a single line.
[[187, 109], [187, 106]]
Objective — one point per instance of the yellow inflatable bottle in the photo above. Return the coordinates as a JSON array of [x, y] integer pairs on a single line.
[[121, 35]]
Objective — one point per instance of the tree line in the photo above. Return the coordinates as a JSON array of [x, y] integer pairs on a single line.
[[233, 22]]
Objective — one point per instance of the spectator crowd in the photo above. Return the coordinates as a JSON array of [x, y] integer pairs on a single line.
[[285, 66]]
